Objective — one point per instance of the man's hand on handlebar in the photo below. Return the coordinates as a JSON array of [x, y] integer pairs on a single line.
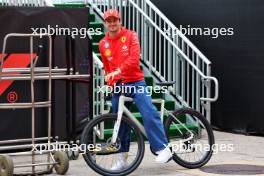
[[112, 75]]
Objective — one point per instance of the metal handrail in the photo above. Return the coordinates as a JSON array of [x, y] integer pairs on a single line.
[[173, 27], [30, 3], [98, 81], [98, 61], [183, 54]]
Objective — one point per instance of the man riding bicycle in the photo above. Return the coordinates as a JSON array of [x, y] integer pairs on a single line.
[[120, 52]]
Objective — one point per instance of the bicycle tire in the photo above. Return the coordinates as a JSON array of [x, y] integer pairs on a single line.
[[199, 116], [89, 160]]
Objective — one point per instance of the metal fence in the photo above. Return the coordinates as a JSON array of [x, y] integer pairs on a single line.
[[26, 3], [167, 53], [98, 84]]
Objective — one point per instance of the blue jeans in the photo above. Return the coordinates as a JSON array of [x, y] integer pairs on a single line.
[[151, 119]]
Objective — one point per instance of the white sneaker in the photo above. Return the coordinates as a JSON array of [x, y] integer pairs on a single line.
[[164, 155], [121, 163]]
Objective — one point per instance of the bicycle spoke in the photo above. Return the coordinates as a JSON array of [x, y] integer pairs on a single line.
[[188, 131]]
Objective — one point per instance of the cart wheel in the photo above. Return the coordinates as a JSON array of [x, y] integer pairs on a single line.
[[6, 165], [50, 171], [70, 154], [75, 155], [63, 162]]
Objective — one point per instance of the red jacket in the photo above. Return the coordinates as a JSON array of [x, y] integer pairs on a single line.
[[122, 52]]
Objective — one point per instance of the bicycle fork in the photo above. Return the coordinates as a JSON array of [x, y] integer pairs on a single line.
[[121, 106], [123, 110]]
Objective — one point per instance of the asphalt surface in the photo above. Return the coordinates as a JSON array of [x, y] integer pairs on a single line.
[[244, 157]]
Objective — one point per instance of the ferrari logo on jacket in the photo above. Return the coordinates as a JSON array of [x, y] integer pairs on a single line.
[[123, 39]]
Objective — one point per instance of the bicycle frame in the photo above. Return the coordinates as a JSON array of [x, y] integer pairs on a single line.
[[122, 109]]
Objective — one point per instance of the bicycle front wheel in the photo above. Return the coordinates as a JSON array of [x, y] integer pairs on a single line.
[[105, 157], [190, 136]]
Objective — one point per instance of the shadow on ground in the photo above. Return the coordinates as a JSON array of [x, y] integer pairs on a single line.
[[234, 169]]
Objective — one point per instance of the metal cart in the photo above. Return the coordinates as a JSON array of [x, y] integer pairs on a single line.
[[58, 159]]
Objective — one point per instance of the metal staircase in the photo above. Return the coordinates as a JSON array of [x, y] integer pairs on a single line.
[[166, 53]]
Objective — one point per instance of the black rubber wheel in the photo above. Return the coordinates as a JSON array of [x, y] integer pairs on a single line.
[[63, 162], [206, 128], [89, 156]]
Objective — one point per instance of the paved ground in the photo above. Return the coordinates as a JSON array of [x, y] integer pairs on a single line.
[[247, 158]]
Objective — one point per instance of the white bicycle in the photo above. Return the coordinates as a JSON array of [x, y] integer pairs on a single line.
[[189, 134]]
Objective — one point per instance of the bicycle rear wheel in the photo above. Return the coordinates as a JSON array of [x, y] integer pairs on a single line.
[[101, 154], [191, 138]]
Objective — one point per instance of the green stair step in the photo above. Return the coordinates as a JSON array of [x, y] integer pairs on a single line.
[[91, 17], [97, 37], [95, 47], [138, 116], [108, 126], [108, 134], [170, 105], [149, 81], [175, 132], [70, 5], [156, 95], [133, 108], [97, 26]]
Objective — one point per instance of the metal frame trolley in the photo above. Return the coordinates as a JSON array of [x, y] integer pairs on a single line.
[[53, 159]]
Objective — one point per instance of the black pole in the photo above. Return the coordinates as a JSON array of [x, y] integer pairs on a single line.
[[73, 114], [90, 87], [68, 90], [53, 107]]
